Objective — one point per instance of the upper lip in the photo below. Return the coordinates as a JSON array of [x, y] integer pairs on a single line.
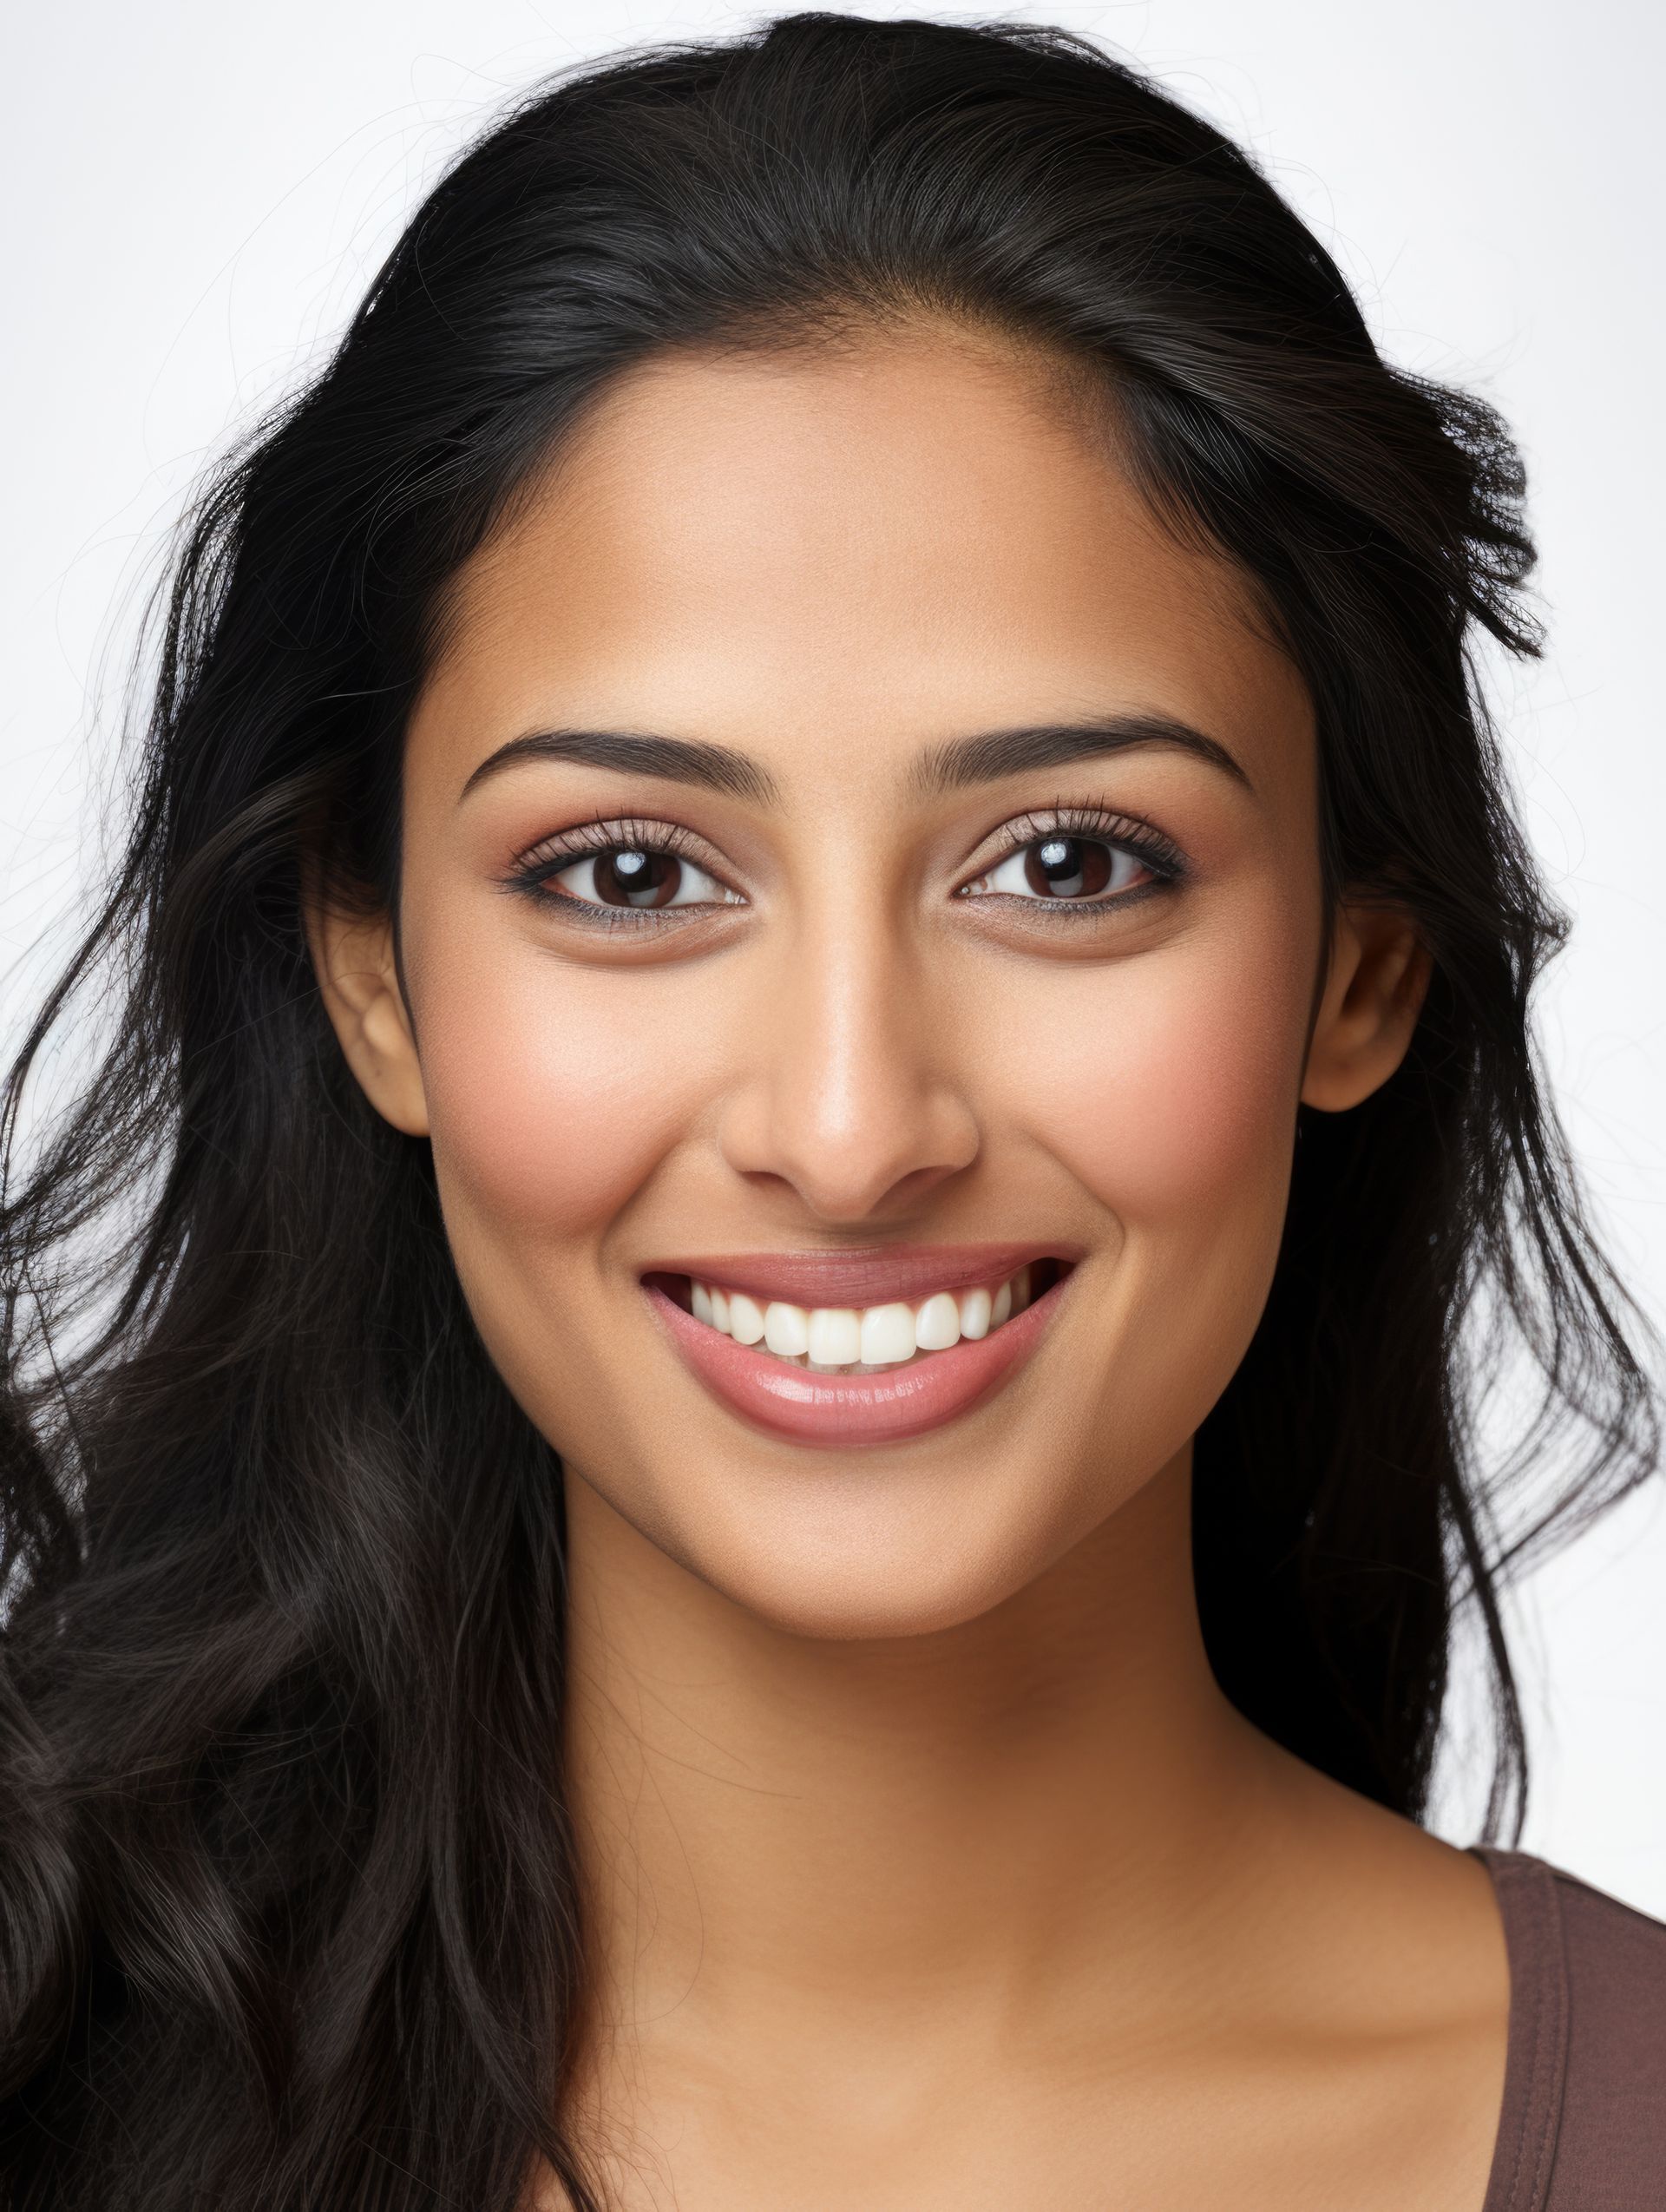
[[874, 1276]]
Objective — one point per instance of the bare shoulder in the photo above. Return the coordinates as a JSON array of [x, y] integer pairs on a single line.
[[1379, 1981], [1373, 1906]]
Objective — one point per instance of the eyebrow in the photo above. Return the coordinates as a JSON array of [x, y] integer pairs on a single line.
[[990, 754], [984, 756], [679, 760]]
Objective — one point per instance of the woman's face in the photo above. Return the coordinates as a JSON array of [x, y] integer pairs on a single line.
[[852, 851]]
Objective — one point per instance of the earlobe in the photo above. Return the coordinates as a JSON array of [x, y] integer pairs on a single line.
[[1375, 987], [352, 958]]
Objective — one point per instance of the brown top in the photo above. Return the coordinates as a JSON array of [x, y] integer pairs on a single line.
[[1583, 2124]]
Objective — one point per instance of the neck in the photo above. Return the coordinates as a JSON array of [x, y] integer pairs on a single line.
[[774, 1830]]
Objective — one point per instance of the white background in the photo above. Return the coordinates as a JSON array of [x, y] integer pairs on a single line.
[[195, 194]]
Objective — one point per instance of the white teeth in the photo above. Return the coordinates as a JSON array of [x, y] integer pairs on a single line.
[[835, 1336], [786, 1329], [937, 1324], [887, 1334], [836, 1339]]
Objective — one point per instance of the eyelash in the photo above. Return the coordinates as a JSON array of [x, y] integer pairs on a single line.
[[1122, 832], [586, 840]]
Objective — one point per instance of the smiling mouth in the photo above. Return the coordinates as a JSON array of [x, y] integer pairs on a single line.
[[863, 1340], [848, 1375]]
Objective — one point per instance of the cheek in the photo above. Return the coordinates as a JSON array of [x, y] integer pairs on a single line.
[[553, 1092], [1174, 1108], [1174, 1104]]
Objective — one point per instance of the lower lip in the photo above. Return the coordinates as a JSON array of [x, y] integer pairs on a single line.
[[841, 1409]]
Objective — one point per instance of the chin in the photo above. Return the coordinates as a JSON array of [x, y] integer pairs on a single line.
[[855, 1551]]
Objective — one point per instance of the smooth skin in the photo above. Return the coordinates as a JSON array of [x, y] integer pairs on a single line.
[[927, 1869]]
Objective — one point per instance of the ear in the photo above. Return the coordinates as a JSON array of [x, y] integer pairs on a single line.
[[352, 957], [1374, 987]]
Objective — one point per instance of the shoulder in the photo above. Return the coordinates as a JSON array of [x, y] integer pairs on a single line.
[[1587, 2066], [1617, 1999]]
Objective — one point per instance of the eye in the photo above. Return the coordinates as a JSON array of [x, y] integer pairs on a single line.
[[1067, 866], [636, 876]]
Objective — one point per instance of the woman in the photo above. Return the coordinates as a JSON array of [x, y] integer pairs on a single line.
[[822, 1115]]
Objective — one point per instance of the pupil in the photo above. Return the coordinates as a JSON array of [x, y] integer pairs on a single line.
[[634, 878], [1068, 867]]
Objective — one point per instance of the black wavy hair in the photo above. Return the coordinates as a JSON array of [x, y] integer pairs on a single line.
[[289, 1908]]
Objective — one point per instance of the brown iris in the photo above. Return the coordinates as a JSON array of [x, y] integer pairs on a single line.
[[629, 877], [1067, 867]]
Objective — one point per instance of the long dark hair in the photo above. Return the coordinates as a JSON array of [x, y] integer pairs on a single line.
[[287, 1886]]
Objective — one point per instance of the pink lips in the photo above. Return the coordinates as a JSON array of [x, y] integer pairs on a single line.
[[870, 1276], [834, 1410]]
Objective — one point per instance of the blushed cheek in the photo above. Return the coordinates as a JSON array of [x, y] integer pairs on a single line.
[[553, 1094], [1175, 1105]]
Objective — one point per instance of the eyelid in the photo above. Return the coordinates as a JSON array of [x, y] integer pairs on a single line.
[[1126, 832], [527, 876], [616, 833]]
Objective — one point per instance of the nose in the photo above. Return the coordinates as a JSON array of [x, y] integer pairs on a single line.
[[850, 1095]]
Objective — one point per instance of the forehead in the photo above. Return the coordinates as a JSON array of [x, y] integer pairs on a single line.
[[914, 536]]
